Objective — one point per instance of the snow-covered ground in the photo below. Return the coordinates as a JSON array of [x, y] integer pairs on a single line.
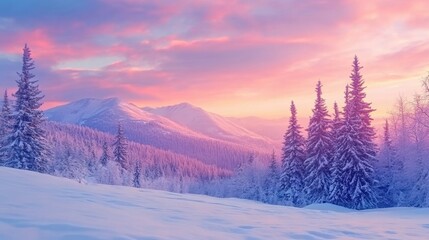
[[37, 206]]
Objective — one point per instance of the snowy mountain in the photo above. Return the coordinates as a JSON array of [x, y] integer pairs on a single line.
[[94, 112], [150, 129], [39, 206], [211, 125]]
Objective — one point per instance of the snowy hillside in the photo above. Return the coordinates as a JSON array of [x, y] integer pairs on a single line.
[[36, 206], [90, 111], [77, 150], [210, 124], [150, 129]]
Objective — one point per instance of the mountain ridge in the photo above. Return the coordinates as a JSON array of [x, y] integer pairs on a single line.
[[210, 124]]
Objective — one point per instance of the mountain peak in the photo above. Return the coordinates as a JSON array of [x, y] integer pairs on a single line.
[[87, 101], [112, 100], [183, 105]]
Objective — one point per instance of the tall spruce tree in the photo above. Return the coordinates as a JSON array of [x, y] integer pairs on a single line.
[[357, 149], [292, 171], [120, 148], [6, 121], [319, 144], [361, 111], [26, 146], [337, 184]]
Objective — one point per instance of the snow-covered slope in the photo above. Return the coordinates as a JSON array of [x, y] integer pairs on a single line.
[[210, 124], [150, 129], [92, 112], [37, 206]]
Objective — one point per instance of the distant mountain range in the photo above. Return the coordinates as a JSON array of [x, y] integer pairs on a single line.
[[182, 128]]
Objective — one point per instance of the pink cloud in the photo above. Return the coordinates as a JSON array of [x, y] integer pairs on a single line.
[[220, 53]]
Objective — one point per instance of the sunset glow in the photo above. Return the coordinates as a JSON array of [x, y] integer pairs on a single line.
[[236, 58]]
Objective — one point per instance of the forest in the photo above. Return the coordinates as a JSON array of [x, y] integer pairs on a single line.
[[338, 158]]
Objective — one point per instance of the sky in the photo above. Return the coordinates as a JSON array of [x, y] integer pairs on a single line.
[[234, 57]]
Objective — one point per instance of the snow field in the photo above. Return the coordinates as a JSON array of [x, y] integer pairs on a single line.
[[37, 206]]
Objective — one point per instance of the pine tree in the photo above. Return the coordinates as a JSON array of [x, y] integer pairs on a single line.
[[337, 185], [387, 171], [335, 125], [6, 121], [247, 180], [120, 145], [136, 175], [360, 111], [356, 147], [319, 144], [271, 181], [26, 146], [291, 179], [105, 157]]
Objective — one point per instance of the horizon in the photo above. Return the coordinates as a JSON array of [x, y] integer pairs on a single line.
[[236, 59]]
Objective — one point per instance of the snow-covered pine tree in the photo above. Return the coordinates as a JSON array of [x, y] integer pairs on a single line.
[[136, 175], [387, 170], [248, 176], [319, 144], [360, 112], [292, 171], [105, 156], [357, 149], [6, 121], [337, 185], [271, 182], [335, 127], [120, 148], [26, 146]]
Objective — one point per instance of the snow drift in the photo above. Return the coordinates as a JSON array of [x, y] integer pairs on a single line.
[[37, 206]]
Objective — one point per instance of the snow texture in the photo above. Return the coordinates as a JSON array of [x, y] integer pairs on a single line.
[[38, 206]]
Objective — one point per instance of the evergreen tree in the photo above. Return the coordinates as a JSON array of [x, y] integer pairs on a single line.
[[420, 191], [337, 185], [6, 121], [387, 172], [26, 145], [291, 179], [136, 175], [335, 126], [271, 181], [247, 180], [356, 147], [120, 151], [360, 111], [105, 157], [319, 144]]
